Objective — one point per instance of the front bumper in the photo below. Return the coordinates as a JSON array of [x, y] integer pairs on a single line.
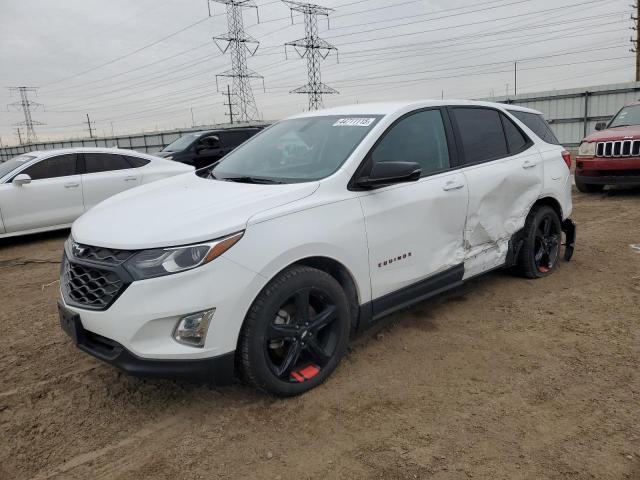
[[219, 370], [608, 171], [622, 180]]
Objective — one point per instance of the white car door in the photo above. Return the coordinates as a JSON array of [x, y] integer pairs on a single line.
[[503, 169], [106, 174], [52, 198], [415, 230]]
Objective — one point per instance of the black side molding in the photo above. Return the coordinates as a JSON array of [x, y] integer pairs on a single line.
[[405, 297]]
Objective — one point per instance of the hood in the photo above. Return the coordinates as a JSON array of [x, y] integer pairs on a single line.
[[179, 211], [631, 132]]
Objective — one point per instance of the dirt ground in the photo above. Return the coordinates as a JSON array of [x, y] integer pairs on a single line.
[[502, 379]]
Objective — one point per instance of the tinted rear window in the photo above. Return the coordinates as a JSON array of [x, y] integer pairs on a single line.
[[104, 162], [537, 124], [481, 134], [136, 162]]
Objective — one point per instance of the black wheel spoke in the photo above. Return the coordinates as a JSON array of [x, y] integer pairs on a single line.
[[546, 226], [290, 359], [302, 306], [318, 352], [323, 319], [277, 332]]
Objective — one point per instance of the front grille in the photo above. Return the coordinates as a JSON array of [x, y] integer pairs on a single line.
[[619, 148], [100, 254], [88, 286]]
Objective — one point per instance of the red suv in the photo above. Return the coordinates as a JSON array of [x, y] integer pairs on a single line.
[[611, 155]]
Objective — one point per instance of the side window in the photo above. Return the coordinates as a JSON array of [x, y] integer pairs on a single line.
[[209, 142], [419, 138], [481, 134], [516, 140], [136, 162], [233, 139], [104, 162], [60, 166], [537, 124]]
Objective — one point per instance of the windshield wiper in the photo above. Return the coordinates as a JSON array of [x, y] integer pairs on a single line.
[[256, 180]]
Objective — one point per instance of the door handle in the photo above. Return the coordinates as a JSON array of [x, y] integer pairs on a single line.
[[130, 179], [452, 186], [528, 164], [72, 185]]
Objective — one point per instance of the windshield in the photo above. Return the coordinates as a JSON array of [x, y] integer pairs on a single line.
[[297, 150], [626, 116], [13, 163], [182, 143]]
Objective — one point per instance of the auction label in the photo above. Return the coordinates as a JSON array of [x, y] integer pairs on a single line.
[[354, 122]]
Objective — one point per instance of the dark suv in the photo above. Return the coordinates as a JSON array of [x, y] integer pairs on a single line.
[[203, 148]]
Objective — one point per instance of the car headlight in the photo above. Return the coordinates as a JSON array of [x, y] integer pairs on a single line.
[[587, 149], [158, 262], [170, 157]]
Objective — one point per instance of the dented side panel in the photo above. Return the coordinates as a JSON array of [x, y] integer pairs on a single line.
[[414, 230], [501, 194]]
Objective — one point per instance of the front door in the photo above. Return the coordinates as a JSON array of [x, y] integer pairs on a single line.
[[415, 230], [53, 198]]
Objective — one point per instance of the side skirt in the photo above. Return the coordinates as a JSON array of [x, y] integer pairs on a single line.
[[405, 297]]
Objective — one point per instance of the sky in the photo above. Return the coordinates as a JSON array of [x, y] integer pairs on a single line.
[[152, 64]]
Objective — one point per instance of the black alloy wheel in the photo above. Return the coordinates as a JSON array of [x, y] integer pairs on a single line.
[[295, 333]]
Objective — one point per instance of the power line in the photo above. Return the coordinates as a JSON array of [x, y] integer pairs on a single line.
[[237, 43], [26, 106], [314, 49]]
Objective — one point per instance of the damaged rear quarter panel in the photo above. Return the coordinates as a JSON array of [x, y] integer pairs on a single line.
[[501, 193]]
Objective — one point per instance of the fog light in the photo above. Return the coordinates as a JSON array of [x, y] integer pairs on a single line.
[[192, 329]]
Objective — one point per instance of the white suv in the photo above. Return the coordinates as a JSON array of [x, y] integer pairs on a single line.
[[266, 264]]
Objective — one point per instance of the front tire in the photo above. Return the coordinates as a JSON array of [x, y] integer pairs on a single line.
[[295, 333], [540, 251], [588, 187]]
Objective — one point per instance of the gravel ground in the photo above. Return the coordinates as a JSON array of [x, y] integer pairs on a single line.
[[503, 378]]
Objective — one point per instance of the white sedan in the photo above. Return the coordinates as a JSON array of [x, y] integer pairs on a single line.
[[48, 190]]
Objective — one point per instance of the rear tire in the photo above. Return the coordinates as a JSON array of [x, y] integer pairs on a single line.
[[542, 239], [589, 187], [295, 333]]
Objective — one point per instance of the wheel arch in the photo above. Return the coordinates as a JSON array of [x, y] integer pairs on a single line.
[[341, 274], [550, 202]]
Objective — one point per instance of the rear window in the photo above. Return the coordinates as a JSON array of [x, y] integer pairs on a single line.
[[537, 124], [136, 162]]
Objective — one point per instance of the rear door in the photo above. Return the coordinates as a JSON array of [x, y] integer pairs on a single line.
[[504, 172], [54, 196], [106, 174]]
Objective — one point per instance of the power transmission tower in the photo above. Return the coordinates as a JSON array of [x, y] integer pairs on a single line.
[[314, 49], [636, 41], [229, 104], [239, 44], [26, 106], [19, 135], [89, 124]]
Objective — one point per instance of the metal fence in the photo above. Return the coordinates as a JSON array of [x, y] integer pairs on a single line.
[[573, 114], [142, 142]]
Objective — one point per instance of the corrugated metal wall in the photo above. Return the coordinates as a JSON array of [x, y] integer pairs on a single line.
[[574, 113], [144, 142]]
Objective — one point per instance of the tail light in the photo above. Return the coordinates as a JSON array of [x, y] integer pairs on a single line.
[[566, 156]]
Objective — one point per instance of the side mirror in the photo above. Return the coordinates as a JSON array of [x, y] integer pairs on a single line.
[[390, 173], [21, 180], [601, 126]]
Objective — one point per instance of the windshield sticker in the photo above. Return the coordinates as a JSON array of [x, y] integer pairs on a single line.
[[354, 122]]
